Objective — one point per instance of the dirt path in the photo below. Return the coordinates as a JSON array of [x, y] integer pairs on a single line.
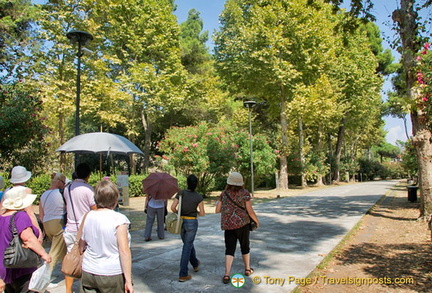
[[390, 252]]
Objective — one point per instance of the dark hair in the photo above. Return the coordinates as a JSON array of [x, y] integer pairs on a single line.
[[192, 182], [233, 187], [106, 194], [82, 171]]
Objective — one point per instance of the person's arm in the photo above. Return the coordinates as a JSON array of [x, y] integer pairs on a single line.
[[251, 212], [82, 245], [218, 205], [29, 211], [174, 205], [125, 256], [201, 210], [147, 199], [2, 285], [29, 239], [41, 212]]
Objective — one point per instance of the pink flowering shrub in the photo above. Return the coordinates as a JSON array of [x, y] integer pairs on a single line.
[[212, 152], [424, 82]]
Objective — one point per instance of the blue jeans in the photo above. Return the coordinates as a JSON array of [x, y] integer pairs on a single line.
[[188, 232]]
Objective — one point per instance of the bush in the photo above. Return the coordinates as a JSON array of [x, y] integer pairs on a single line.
[[373, 169], [39, 184], [212, 152], [135, 185]]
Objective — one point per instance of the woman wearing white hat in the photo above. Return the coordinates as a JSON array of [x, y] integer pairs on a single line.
[[235, 205], [19, 177], [15, 201]]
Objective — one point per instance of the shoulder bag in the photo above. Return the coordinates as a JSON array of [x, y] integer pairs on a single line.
[[72, 262], [252, 225], [16, 255], [174, 221]]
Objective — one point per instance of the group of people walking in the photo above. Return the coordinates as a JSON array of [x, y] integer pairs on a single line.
[[105, 239]]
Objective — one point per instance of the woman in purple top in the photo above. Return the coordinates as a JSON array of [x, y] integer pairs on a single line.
[[15, 201]]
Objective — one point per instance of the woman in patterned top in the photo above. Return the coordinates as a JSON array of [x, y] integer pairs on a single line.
[[236, 210]]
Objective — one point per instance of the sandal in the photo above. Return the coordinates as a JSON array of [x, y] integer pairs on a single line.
[[249, 272], [226, 279]]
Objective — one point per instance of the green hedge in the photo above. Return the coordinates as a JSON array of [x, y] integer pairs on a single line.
[[39, 184]]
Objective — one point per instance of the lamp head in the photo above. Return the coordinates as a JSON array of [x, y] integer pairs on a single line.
[[79, 37], [249, 104]]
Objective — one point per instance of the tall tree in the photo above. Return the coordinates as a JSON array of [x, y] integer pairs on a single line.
[[194, 52], [409, 28], [269, 49], [16, 18], [361, 86]]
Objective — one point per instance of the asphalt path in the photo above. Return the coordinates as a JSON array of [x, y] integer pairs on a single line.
[[296, 233]]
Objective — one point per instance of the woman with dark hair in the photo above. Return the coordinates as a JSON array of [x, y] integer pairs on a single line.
[[191, 201], [105, 240], [235, 207]]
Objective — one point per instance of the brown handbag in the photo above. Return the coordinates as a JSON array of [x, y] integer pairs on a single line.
[[72, 262]]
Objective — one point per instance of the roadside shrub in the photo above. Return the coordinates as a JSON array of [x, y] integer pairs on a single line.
[[39, 184]]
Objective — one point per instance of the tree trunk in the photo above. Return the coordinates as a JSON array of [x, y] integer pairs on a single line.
[[338, 150], [303, 182], [406, 18], [148, 129], [422, 143], [283, 171]]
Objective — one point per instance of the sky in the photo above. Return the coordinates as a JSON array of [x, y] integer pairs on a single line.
[[210, 11]]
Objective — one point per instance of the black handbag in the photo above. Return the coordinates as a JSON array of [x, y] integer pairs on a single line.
[[17, 256], [252, 225]]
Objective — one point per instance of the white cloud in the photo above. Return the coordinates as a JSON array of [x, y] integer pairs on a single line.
[[394, 134]]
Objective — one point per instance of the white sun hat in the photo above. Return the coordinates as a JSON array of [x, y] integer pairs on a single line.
[[17, 198], [19, 175], [235, 179]]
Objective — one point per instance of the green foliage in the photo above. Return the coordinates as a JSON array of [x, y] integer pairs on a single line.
[[372, 169], [387, 150], [192, 42], [424, 84], [16, 18], [21, 125], [314, 166], [212, 152], [395, 169], [409, 159], [39, 184], [349, 164], [135, 185]]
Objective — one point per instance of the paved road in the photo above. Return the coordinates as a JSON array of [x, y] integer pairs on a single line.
[[295, 234]]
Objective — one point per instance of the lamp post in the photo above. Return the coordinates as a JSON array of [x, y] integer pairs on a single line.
[[82, 38], [250, 105]]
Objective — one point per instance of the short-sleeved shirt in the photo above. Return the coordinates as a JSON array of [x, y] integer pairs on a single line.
[[53, 205], [102, 256], [22, 222], [83, 199], [234, 216], [156, 203], [190, 202]]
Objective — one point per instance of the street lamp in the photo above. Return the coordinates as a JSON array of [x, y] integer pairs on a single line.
[[82, 38], [250, 105]]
